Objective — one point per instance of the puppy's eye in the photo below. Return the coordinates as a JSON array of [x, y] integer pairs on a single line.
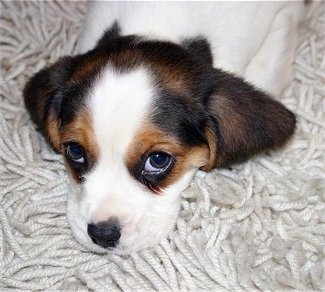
[[75, 153], [158, 162]]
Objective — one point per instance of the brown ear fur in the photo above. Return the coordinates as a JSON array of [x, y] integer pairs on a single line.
[[42, 99], [212, 145], [244, 121]]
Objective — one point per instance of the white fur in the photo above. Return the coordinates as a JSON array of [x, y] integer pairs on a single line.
[[253, 39]]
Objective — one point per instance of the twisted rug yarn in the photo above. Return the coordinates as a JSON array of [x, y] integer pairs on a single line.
[[257, 226]]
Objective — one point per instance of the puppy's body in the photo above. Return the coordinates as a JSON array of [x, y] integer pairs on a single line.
[[143, 107]]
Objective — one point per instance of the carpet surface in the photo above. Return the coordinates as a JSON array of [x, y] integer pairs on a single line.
[[257, 226]]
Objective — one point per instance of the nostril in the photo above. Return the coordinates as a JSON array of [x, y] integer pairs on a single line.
[[104, 233]]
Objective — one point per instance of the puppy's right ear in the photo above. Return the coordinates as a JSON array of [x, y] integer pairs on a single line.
[[43, 98], [242, 121]]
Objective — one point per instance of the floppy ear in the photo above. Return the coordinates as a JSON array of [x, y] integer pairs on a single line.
[[243, 121], [43, 98], [109, 35], [199, 50]]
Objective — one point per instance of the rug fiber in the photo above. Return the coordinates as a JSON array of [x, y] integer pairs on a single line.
[[257, 226]]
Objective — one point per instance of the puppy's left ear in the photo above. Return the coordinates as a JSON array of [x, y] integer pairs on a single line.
[[242, 121], [43, 98]]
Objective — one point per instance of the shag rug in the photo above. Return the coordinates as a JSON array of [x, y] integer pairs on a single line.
[[257, 226]]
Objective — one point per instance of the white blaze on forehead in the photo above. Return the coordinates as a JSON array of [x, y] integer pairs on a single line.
[[119, 103]]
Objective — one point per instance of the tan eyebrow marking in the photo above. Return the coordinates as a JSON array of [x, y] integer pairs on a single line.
[[80, 131], [151, 138]]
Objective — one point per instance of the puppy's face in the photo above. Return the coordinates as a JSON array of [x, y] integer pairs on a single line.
[[129, 167], [135, 120]]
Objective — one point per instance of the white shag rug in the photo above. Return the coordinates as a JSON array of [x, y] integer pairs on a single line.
[[259, 226]]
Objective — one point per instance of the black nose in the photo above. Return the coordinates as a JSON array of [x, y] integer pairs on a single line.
[[105, 234]]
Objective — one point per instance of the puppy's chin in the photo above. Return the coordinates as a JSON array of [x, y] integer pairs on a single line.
[[144, 232]]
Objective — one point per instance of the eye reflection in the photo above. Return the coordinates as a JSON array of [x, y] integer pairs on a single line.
[[158, 162], [75, 153]]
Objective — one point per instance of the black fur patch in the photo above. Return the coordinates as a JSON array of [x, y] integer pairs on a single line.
[[44, 92], [110, 34], [199, 49], [185, 120]]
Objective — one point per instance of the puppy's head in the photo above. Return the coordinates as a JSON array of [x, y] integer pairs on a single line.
[[135, 119]]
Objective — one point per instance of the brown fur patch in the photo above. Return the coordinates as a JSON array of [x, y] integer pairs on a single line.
[[168, 75], [84, 69], [172, 77], [212, 143], [80, 131], [151, 139], [52, 126]]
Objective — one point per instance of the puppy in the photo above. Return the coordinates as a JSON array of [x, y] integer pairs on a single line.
[[158, 92]]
